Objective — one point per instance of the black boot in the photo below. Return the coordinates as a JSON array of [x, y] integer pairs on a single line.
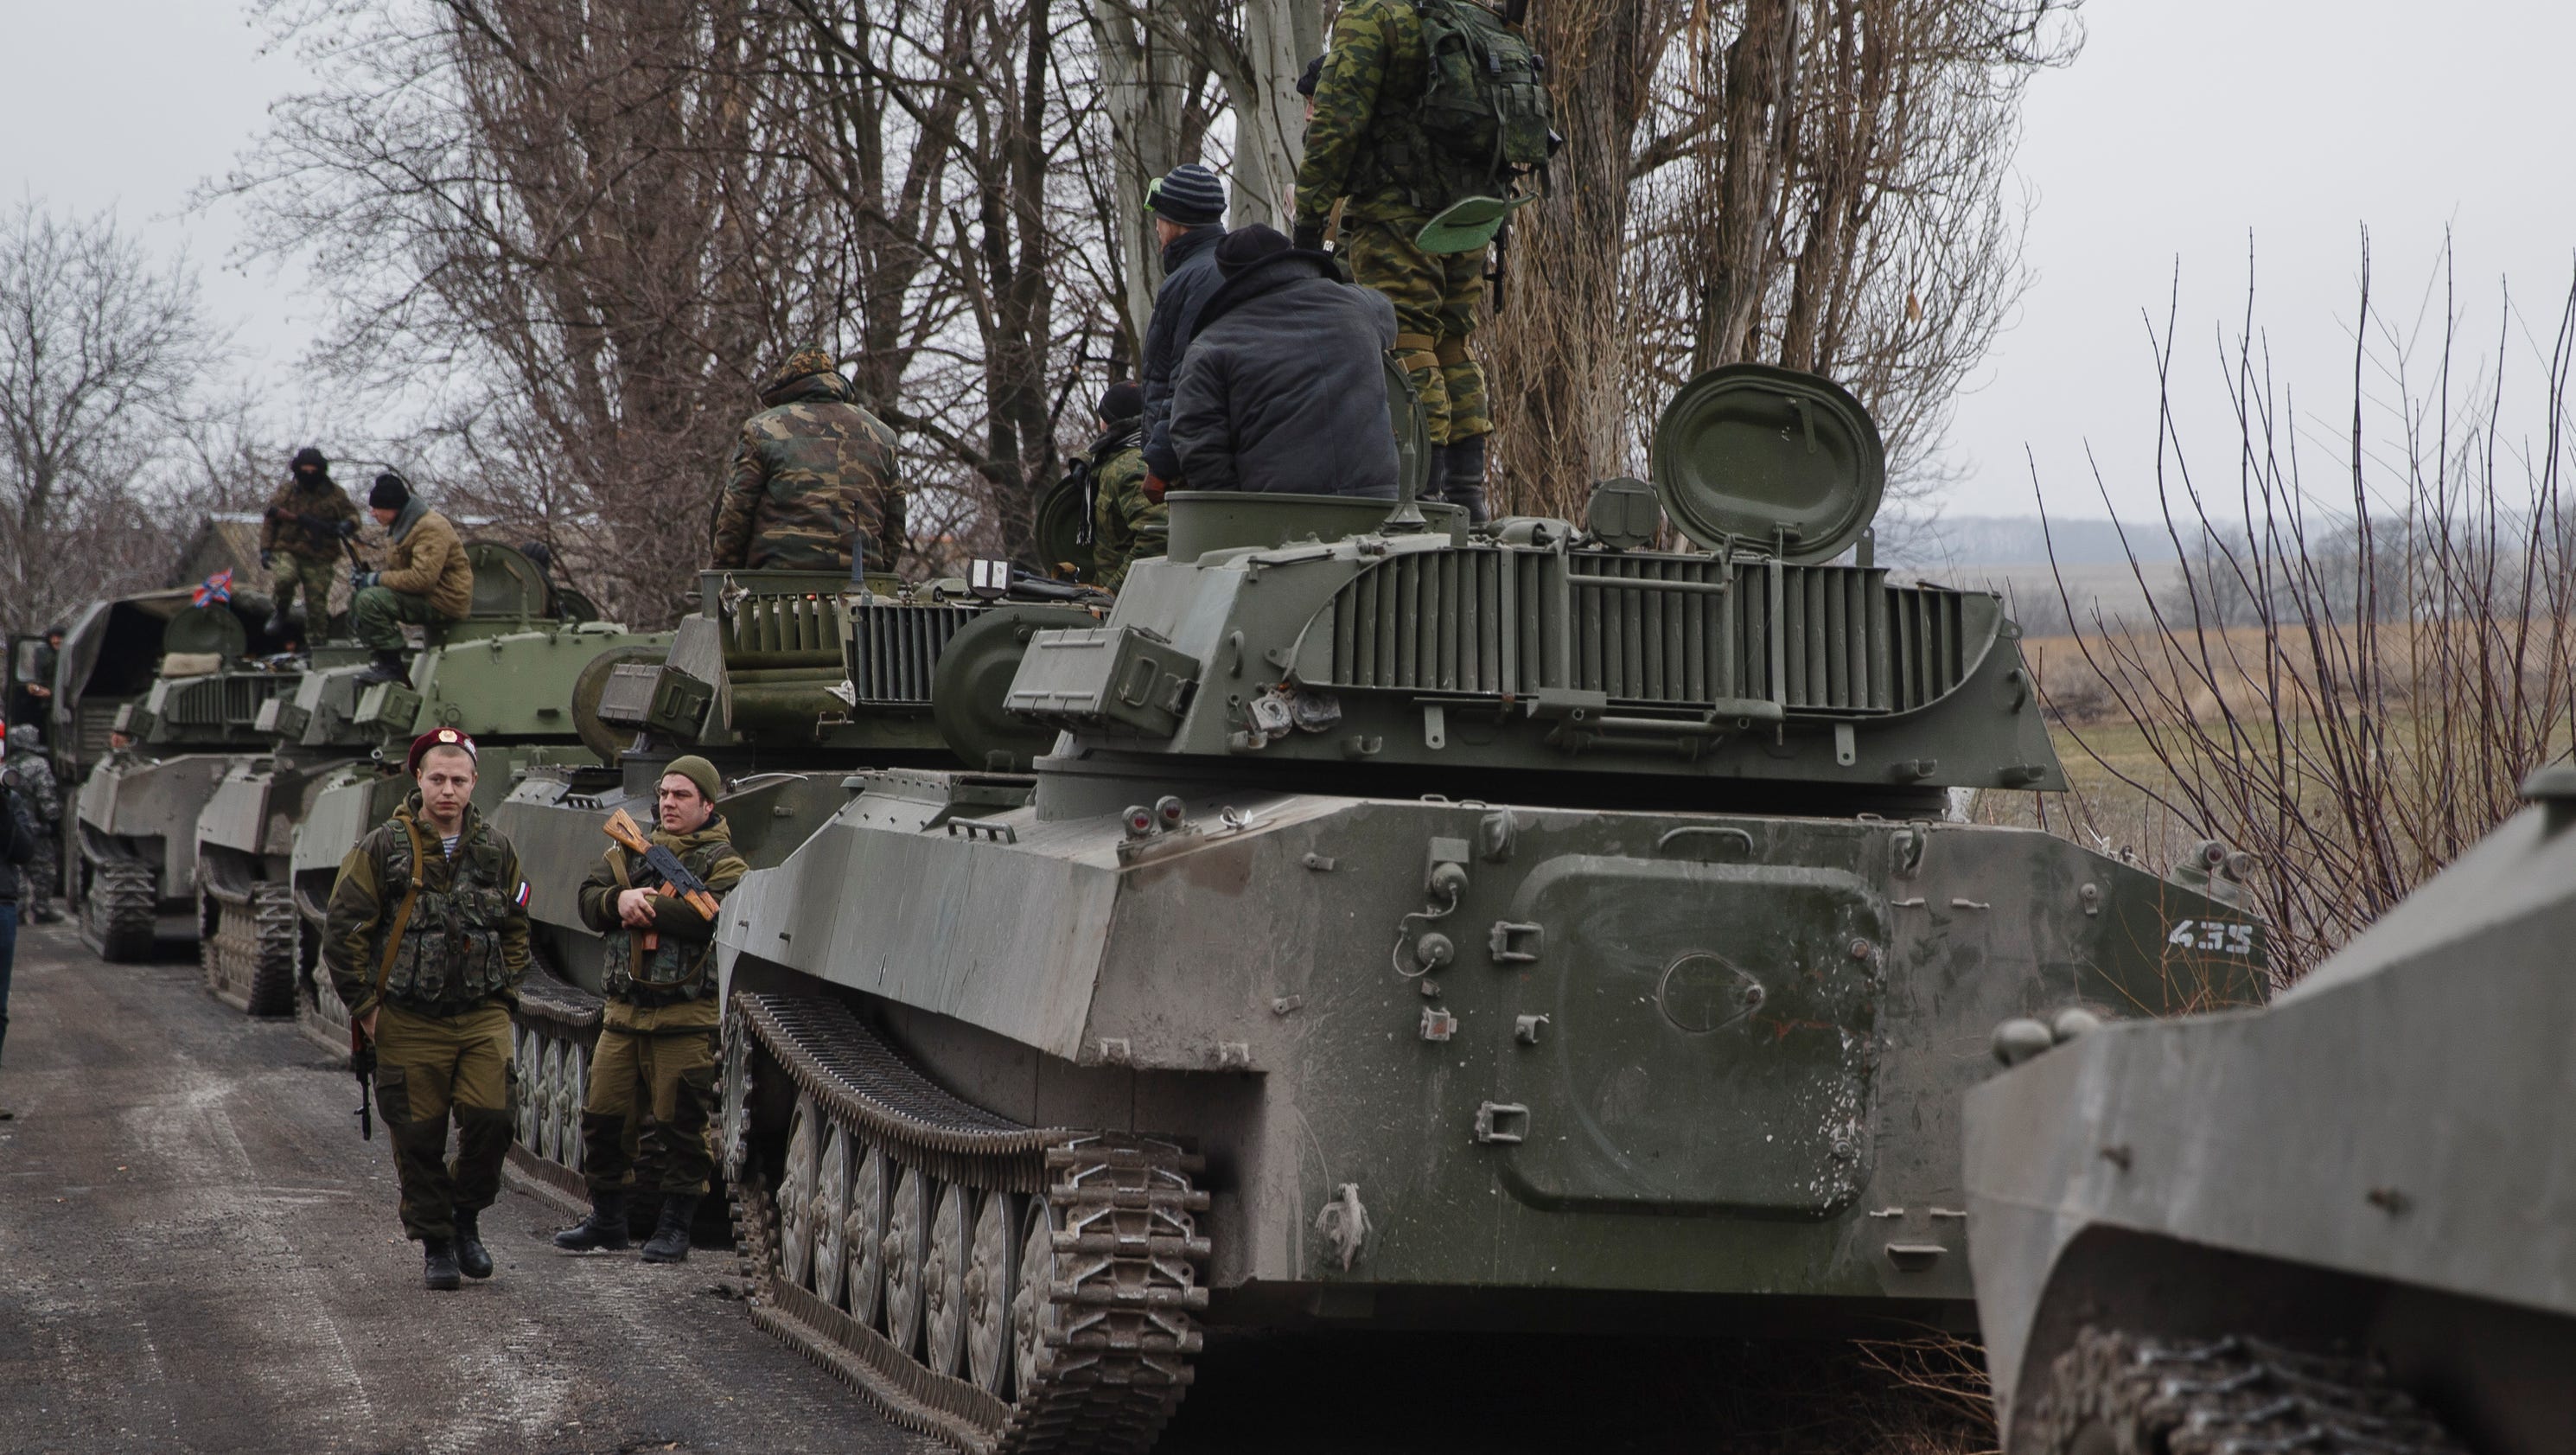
[[438, 1265], [670, 1241], [1463, 477], [277, 625], [472, 1258], [387, 667], [604, 1230]]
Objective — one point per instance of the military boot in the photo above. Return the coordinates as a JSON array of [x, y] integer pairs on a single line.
[[1462, 475], [277, 625], [472, 1258], [438, 1265], [387, 667], [670, 1241], [603, 1231]]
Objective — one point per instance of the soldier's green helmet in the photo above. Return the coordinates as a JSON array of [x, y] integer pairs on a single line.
[[805, 363]]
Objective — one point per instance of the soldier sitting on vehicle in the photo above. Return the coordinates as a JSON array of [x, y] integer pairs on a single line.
[[1284, 388], [426, 577], [1127, 525], [812, 483], [655, 1065], [301, 540]]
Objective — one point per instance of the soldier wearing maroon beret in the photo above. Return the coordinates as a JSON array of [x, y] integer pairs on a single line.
[[426, 941]]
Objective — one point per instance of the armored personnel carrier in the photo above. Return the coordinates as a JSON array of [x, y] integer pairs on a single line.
[[183, 714], [1531, 928], [787, 681], [522, 673], [2341, 1223], [518, 672]]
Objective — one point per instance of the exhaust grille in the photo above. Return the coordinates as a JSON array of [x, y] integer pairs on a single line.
[[893, 647], [219, 702], [764, 632]]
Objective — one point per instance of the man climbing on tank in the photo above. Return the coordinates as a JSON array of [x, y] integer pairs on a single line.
[[1425, 176], [34, 775], [811, 486], [1127, 525], [427, 577], [302, 541], [653, 1072], [1187, 205], [1283, 388], [426, 941]]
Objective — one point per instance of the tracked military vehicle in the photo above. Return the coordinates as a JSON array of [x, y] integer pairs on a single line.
[[185, 713], [1530, 928], [2341, 1223], [788, 681], [522, 673]]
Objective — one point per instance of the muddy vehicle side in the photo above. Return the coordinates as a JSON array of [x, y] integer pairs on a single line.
[[788, 681], [184, 685], [1525, 929], [522, 674], [2342, 1222]]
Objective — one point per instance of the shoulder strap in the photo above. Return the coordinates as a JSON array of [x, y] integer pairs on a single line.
[[402, 915]]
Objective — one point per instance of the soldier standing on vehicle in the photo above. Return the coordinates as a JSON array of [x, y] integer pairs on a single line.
[[1127, 525], [34, 774], [654, 1068], [1188, 207], [426, 941], [812, 483], [300, 540], [1427, 115], [426, 577]]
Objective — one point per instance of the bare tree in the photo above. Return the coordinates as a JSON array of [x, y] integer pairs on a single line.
[[101, 358]]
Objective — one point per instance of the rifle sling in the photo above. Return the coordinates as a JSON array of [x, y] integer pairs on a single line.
[[402, 914]]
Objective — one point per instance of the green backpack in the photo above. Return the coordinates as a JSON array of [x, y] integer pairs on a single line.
[[1484, 109]]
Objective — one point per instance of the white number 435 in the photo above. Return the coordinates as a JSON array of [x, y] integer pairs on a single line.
[[2235, 938]]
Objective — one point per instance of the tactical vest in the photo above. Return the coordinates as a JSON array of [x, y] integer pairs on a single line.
[[1478, 122], [450, 956], [674, 969]]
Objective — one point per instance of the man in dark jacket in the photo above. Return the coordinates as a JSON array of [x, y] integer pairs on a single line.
[[17, 845], [1285, 387], [1188, 204]]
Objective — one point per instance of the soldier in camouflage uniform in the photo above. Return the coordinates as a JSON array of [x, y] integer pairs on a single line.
[[1126, 523], [654, 1069], [426, 940], [1364, 151], [32, 774], [812, 484], [300, 539]]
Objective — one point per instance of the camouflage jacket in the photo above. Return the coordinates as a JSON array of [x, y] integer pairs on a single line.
[[465, 942], [1365, 98], [812, 480], [306, 523], [1125, 526], [31, 775], [677, 969]]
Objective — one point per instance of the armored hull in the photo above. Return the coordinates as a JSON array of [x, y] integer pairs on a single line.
[[134, 880], [2337, 1223]]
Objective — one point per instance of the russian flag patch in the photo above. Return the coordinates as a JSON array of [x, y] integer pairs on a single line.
[[521, 898]]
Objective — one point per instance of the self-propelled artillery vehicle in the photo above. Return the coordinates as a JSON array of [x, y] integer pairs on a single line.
[[1528, 928], [788, 681], [181, 685], [2343, 1223], [521, 673]]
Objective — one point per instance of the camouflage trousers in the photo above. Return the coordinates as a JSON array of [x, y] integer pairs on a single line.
[[379, 612], [38, 876], [429, 1070], [316, 577], [652, 1096], [1435, 297]]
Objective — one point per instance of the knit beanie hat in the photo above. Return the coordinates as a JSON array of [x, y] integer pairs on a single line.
[[1188, 194], [1122, 400], [1310, 78], [698, 771], [1246, 246], [390, 493]]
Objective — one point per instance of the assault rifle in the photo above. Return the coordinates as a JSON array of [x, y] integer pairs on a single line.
[[677, 881], [362, 1064]]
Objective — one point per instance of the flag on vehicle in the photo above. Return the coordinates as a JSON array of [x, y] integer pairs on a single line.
[[215, 588]]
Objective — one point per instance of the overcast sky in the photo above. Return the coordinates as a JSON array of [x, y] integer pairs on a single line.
[[2186, 127]]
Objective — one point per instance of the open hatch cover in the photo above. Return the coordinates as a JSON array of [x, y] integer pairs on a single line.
[[1777, 461]]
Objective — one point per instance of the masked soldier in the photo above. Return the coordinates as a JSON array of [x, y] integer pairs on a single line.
[[654, 1069], [426, 941], [1126, 523], [812, 483], [300, 540], [33, 775], [1425, 117]]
